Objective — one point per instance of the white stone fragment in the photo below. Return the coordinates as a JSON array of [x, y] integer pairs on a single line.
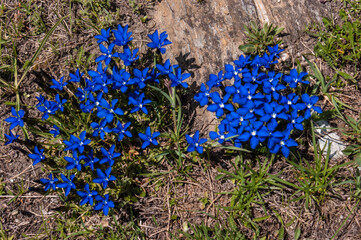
[[325, 135]]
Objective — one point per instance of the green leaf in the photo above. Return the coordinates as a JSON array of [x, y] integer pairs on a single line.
[[358, 159], [261, 218], [281, 233], [247, 48], [297, 233], [346, 76]]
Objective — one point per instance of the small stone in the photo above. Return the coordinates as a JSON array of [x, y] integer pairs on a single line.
[[326, 136]]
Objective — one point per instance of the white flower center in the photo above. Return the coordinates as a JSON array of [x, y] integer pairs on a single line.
[[282, 143], [274, 115], [253, 133], [221, 105], [309, 105]]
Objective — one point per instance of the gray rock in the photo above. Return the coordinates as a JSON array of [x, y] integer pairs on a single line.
[[325, 136]]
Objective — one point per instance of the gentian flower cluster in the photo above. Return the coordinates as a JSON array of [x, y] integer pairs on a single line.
[[260, 106], [106, 99]]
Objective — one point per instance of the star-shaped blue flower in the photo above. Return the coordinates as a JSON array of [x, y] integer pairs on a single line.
[[122, 130], [17, 119], [104, 36], [10, 138], [109, 155], [67, 183], [103, 203], [87, 195], [37, 156], [179, 78], [74, 162], [148, 137], [104, 178], [195, 143], [58, 85], [158, 41], [55, 131], [77, 143], [49, 183]]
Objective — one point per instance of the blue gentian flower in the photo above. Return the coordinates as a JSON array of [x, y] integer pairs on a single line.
[[158, 41], [100, 79], [90, 160], [203, 96], [242, 61], [109, 155], [274, 51], [94, 101], [60, 102], [48, 108], [166, 68], [10, 138], [121, 79], [67, 183], [87, 195], [104, 36], [273, 110], [295, 121], [221, 135], [55, 131], [74, 162], [107, 111], [75, 77], [77, 143], [103, 203], [80, 94], [309, 102], [100, 129], [195, 143], [140, 77], [148, 137], [37, 156], [255, 132], [122, 36], [104, 178], [139, 103], [215, 80], [179, 78], [59, 85], [232, 72], [49, 183], [239, 93], [41, 100], [294, 78], [107, 57], [122, 130], [219, 104], [282, 144], [268, 60], [257, 62], [254, 76], [17, 119], [128, 57]]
